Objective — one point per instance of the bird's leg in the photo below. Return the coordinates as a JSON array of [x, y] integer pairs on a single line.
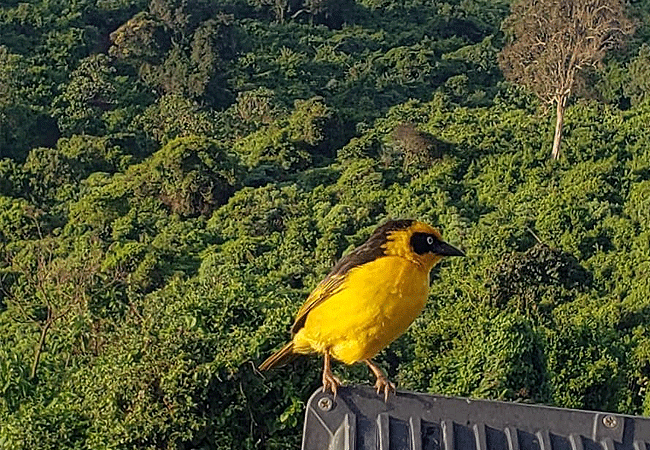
[[382, 384], [329, 380]]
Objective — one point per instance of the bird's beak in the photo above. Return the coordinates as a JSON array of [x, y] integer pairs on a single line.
[[444, 249]]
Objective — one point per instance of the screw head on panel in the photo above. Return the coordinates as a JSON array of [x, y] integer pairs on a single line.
[[610, 421], [325, 403]]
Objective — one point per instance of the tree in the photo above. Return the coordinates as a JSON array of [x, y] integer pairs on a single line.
[[141, 40], [638, 72], [416, 149], [46, 285], [23, 124], [90, 92], [280, 8], [175, 116], [554, 42], [191, 175]]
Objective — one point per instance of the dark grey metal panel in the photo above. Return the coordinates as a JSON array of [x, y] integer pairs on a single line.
[[358, 419]]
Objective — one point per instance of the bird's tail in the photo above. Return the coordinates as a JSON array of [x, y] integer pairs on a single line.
[[278, 359]]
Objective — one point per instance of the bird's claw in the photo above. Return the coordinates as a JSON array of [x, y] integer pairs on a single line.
[[384, 384], [330, 382]]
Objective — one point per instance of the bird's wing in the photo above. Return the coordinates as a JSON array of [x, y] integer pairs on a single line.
[[366, 253], [326, 288]]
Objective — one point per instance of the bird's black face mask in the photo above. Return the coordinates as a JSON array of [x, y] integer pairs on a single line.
[[429, 243]]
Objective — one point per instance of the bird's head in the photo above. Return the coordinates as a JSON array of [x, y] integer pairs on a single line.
[[417, 241]]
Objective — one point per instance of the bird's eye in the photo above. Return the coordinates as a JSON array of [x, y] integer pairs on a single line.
[[430, 240]]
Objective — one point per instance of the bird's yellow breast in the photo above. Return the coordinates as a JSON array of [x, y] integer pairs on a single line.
[[375, 305]]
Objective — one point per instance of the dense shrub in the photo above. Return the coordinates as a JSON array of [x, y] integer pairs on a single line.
[[218, 158]]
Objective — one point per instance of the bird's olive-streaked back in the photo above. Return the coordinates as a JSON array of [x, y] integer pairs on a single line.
[[372, 249]]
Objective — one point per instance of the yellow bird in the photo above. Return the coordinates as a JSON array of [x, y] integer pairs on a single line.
[[368, 300]]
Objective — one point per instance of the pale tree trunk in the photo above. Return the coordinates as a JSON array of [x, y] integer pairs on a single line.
[[280, 10], [559, 120]]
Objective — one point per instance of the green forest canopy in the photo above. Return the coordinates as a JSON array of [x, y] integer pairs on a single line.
[[177, 175]]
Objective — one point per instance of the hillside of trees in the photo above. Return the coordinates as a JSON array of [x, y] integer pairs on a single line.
[[177, 175]]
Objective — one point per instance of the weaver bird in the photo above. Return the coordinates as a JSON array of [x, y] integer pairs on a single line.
[[368, 300]]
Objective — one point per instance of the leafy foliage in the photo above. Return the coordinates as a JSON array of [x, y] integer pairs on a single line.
[[176, 176]]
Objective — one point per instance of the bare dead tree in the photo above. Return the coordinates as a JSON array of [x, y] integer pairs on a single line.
[[416, 148], [554, 41]]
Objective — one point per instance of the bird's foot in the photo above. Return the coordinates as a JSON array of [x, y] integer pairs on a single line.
[[385, 385], [382, 384], [330, 382]]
